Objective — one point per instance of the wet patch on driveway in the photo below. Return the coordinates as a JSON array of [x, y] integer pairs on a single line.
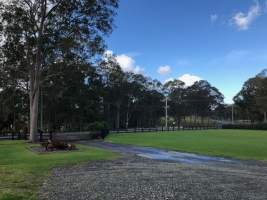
[[162, 155]]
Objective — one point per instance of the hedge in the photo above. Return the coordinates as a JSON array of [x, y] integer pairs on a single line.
[[245, 126]]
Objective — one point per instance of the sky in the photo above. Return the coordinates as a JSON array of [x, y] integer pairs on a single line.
[[223, 42]]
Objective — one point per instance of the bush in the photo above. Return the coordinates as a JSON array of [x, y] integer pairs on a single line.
[[245, 126], [98, 126], [101, 129]]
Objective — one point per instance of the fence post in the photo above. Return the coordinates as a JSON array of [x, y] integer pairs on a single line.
[[19, 135], [41, 136]]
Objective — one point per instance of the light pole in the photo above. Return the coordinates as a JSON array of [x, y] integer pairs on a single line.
[[166, 111]]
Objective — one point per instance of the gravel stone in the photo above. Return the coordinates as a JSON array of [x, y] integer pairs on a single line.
[[136, 178]]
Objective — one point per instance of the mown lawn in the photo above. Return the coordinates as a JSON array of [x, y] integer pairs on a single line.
[[242, 144], [22, 171]]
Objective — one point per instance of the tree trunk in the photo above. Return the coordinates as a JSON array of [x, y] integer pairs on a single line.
[[35, 76], [118, 116], [127, 115], [179, 122], [34, 101], [127, 120]]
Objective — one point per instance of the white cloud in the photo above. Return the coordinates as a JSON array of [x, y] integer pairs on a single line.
[[126, 62], [244, 20], [164, 70], [189, 79], [214, 18]]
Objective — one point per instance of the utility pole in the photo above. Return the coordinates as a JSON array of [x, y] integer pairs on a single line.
[[232, 113], [166, 112]]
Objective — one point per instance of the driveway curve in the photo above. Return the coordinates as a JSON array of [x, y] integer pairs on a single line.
[[135, 177]]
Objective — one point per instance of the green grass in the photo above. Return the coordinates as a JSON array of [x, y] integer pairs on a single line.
[[23, 171], [242, 144]]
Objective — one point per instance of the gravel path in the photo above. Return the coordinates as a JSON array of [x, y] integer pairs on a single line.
[[136, 178]]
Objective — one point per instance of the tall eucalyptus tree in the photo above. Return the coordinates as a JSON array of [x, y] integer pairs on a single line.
[[36, 34]]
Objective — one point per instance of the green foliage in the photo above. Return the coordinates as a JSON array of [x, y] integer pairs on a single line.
[[199, 100], [171, 121], [129, 100], [22, 171], [245, 126], [252, 98], [242, 144], [98, 126]]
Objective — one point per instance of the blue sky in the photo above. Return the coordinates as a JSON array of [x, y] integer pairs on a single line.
[[224, 42]]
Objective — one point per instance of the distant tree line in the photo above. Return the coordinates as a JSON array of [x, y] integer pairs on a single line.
[[79, 96]]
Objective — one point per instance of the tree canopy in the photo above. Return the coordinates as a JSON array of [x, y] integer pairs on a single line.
[[40, 35], [252, 98]]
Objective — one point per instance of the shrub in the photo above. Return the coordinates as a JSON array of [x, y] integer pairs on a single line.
[[100, 129], [98, 126], [245, 126]]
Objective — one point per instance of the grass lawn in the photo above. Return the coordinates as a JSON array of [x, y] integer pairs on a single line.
[[22, 171], [242, 144]]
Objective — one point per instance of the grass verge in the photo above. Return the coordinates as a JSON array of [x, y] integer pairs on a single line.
[[22, 171]]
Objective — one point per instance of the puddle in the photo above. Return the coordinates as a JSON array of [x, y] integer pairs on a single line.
[[163, 155]]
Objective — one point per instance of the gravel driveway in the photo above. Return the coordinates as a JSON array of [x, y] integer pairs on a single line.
[[135, 178]]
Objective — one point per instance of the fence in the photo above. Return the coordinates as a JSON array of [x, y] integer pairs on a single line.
[[43, 136], [88, 135], [23, 136], [166, 129]]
